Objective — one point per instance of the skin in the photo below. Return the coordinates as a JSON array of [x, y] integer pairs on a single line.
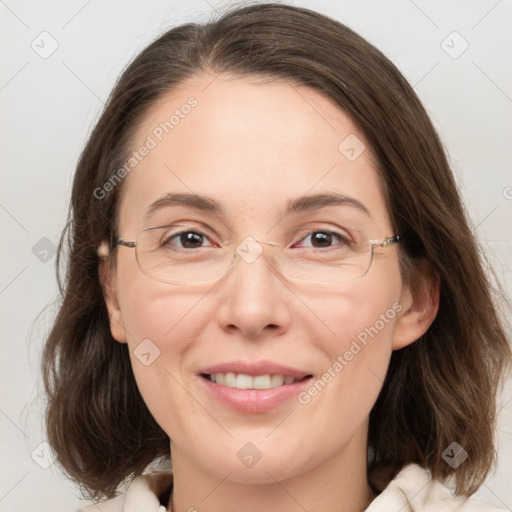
[[252, 146]]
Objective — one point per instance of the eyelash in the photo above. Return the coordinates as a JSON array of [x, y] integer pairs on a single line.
[[343, 239]]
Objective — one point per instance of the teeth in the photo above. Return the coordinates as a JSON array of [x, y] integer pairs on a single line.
[[243, 381], [277, 380], [267, 381], [229, 380]]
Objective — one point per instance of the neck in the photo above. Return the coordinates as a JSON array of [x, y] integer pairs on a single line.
[[337, 484]]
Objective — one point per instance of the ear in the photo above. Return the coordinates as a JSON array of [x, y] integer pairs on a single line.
[[109, 286], [420, 306]]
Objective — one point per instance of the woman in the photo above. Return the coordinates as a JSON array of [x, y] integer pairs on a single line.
[[272, 283]]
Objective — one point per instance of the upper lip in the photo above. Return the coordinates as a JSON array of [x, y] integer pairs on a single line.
[[255, 368]]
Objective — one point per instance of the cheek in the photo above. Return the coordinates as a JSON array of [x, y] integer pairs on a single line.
[[163, 329], [358, 311], [151, 309], [361, 321], [367, 323]]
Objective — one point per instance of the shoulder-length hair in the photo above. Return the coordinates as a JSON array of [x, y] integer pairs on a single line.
[[440, 389]]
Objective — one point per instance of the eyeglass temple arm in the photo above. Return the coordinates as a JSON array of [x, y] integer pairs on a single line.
[[123, 242], [388, 241]]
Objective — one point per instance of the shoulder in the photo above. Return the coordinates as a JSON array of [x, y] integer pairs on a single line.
[[413, 490], [146, 492]]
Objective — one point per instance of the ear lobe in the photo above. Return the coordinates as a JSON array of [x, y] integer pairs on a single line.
[[420, 307], [110, 295]]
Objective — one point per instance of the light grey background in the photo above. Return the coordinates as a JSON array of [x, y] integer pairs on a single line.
[[49, 105]]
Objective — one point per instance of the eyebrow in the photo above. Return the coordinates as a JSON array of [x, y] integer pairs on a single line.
[[300, 204]]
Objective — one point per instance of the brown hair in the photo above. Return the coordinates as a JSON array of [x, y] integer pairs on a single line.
[[440, 389]]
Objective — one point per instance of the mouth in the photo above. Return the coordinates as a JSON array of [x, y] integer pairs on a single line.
[[245, 381], [253, 387]]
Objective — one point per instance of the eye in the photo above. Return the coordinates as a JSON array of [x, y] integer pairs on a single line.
[[325, 239], [186, 240]]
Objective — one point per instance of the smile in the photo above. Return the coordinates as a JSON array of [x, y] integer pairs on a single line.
[[244, 381], [252, 387]]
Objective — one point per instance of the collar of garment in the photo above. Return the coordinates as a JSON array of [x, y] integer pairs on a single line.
[[412, 490]]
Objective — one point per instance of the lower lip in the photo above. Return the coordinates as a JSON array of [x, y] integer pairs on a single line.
[[253, 401]]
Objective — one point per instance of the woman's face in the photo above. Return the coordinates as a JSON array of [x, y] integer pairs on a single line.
[[254, 148]]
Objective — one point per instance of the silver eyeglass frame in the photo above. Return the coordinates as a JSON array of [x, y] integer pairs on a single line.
[[133, 245]]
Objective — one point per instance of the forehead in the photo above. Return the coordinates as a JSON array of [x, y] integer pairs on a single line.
[[252, 145]]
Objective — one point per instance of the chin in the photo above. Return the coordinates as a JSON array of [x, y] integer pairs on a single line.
[[244, 462]]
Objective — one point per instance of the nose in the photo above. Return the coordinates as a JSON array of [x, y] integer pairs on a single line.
[[253, 299]]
